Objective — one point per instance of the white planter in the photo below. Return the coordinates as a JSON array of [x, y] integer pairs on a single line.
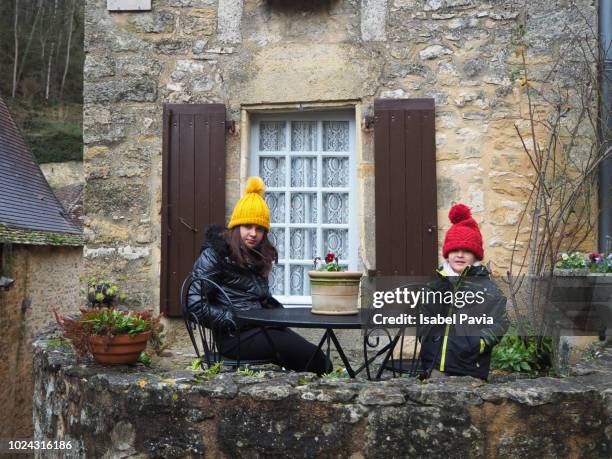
[[334, 293]]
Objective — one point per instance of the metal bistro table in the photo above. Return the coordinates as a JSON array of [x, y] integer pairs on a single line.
[[304, 318]]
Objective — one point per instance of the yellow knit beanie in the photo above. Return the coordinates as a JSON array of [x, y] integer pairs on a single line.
[[252, 209]]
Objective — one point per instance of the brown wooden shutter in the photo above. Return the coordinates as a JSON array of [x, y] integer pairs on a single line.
[[193, 190], [406, 203]]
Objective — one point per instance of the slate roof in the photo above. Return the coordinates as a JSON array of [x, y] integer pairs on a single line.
[[71, 198], [27, 203]]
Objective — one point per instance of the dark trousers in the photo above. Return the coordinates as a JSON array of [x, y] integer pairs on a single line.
[[293, 350]]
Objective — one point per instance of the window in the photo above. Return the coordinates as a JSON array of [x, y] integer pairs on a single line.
[[308, 164]]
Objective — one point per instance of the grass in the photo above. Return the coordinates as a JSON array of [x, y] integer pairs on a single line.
[[250, 373], [57, 342], [54, 133], [213, 370], [337, 373], [145, 359]]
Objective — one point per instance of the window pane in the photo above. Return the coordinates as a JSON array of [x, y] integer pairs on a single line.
[[277, 280], [335, 208], [335, 172], [277, 238], [303, 171], [336, 240], [335, 136], [276, 203], [272, 136], [303, 208], [296, 280], [303, 244], [272, 171], [303, 135]]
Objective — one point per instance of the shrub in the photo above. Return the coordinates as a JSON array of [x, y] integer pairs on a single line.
[[529, 354]]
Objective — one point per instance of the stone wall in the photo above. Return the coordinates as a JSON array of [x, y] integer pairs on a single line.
[[265, 54], [157, 412], [62, 174], [45, 278]]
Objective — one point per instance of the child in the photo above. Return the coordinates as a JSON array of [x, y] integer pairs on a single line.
[[461, 349]]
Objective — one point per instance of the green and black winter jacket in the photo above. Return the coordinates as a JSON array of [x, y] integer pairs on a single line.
[[461, 348]]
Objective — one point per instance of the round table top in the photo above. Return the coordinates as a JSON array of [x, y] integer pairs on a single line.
[[298, 317]]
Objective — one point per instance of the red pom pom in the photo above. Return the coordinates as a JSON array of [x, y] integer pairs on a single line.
[[458, 213]]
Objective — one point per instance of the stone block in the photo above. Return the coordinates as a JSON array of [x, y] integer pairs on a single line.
[[152, 22], [98, 66], [189, 3], [373, 20], [229, 16], [116, 197], [448, 191], [138, 65], [105, 231], [199, 46], [172, 46], [474, 67], [135, 89], [510, 184], [406, 433], [198, 25], [434, 52]]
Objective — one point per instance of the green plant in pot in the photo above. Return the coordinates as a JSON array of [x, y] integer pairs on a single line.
[[333, 289], [572, 264], [110, 335], [103, 293]]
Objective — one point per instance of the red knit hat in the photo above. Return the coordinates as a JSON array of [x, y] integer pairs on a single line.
[[464, 234]]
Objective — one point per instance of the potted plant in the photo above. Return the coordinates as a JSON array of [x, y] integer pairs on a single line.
[[112, 336], [572, 264], [600, 264], [103, 293], [583, 292], [333, 290]]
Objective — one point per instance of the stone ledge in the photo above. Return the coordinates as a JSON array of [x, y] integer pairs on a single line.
[[154, 412]]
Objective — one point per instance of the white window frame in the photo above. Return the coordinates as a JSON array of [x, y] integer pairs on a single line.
[[337, 115]]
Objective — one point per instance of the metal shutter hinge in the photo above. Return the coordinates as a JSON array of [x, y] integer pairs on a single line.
[[367, 123], [230, 126]]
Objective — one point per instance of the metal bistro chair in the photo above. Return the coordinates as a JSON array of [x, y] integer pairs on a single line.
[[412, 366], [202, 287]]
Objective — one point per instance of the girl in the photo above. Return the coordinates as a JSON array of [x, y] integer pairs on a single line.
[[240, 259]]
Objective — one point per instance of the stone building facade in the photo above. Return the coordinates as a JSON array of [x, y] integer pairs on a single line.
[[41, 263], [46, 277], [265, 56]]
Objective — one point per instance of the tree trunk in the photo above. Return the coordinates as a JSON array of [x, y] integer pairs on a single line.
[[51, 52], [61, 96], [16, 58], [27, 48]]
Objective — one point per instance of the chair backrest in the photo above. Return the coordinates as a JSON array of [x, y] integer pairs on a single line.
[[198, 290]]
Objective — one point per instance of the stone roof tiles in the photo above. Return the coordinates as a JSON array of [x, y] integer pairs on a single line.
[[26, 200]]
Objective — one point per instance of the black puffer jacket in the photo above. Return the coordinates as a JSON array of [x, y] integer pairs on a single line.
[[246, 288], [464, 349]]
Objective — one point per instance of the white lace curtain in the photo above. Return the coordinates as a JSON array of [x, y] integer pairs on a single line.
[[321, 175]]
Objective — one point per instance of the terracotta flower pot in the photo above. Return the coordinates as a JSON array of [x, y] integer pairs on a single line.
[[334, 292], [119, 349]]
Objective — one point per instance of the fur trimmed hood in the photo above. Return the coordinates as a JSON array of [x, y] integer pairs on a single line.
[[215, 239]]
